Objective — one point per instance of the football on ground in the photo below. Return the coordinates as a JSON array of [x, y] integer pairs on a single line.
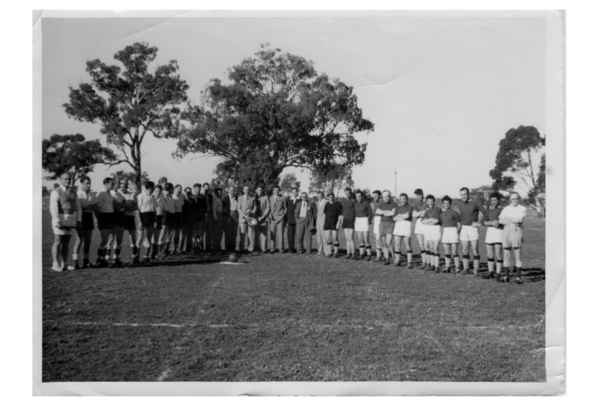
[[292, 317]]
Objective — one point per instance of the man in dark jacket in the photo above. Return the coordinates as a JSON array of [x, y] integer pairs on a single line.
[[290, 220]]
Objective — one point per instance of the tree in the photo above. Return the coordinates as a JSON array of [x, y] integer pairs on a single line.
[[516, 157], [130, 102], [334, 178], [276, 111], [289, 181], [129, 176], [72, 154]]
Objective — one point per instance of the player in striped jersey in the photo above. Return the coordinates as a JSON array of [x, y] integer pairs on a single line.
[[493, 238]]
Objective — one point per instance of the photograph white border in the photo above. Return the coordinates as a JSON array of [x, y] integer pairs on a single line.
[[555, 286]]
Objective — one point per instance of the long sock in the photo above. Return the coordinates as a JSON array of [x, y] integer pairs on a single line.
[[476, 263], [447, 262], [491, 264], [397, 255], [409, 255], [465, 263], [499, 265], [456, 263], [368, 250], [518, 262]]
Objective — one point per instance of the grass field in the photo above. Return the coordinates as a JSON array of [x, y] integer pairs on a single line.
[[290, 317]]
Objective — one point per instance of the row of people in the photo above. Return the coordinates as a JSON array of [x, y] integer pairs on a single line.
[[169, 219]]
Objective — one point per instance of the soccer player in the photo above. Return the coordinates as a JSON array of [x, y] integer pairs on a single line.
[[512, 217], [305, 223], [169, 221], [332, 223], [262, 216], [320, 234], [363, 215], [348, 214], [85, 228], [376, 223], [450, 224], [188, 220], [120, 220], [403, 230], [146, 203], [471, 216], [218, 219], [278, 209], [179, 202], [419, 208], [158, 194], [65, 212], [432, 233], [387, 209], [105, 215], [131, 218], [494, 237]]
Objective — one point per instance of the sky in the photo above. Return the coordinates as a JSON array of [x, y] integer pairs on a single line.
[[441, 90]]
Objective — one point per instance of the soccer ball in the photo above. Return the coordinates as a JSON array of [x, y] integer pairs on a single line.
[[233, 257]]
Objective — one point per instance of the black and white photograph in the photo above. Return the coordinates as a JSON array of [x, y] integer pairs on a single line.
[[260, 198]]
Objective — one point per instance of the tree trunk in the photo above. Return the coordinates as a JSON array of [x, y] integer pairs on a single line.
[[532, 171], [138, 171]]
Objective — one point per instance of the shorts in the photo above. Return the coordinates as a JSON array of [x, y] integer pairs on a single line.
[[469, 233], [494, 236], [147, 219], [170, 220], [159, 221], [386, 227], [432, 232], [348, 222], [450, 235], [105, 220], [361, 224], [419, 228], [87, 221], [402, 228], [330, 224], [512, 236], [376, 225], [127, 221], [179, 219], [62, 230]]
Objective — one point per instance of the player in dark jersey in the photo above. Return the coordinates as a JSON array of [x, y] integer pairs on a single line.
[[403, 230], [348, 214], [387, 209], [332, 223], [432, 233], [418, 209], [494, 236], [450, 224], [363, 217], [471, 216]]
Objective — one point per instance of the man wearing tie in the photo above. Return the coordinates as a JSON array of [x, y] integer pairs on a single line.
[[290, 220], [305, 224]]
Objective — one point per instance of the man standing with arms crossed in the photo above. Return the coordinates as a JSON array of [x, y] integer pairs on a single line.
[[278, 209]]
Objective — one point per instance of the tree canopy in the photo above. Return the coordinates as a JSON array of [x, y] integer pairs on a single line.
[[333, 178], [72, 153], [518, 155], [276, 111], [129, 101]]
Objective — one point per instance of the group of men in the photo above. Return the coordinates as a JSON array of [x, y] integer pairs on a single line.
[[165, 219]]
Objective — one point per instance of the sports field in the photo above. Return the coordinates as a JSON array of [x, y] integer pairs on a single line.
[[291, 317]]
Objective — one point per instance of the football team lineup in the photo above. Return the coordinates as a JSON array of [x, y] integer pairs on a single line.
[[165, 220]]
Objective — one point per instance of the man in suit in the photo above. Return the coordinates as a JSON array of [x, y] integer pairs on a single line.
[[290, 219], [230, 220], [262, 218], [278, 211], [246, 207], [305, 218]]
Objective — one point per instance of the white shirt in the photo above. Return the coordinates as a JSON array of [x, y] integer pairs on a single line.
[[512, 214], [62, 218], [303, 209]]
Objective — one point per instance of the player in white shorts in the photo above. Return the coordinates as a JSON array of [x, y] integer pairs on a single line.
[[403, 230], [512, 217], [66, 213], [363, 213], [494, 235], [470, 218], [450, 224], [376, 224], [418, 209], [432, 234]]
